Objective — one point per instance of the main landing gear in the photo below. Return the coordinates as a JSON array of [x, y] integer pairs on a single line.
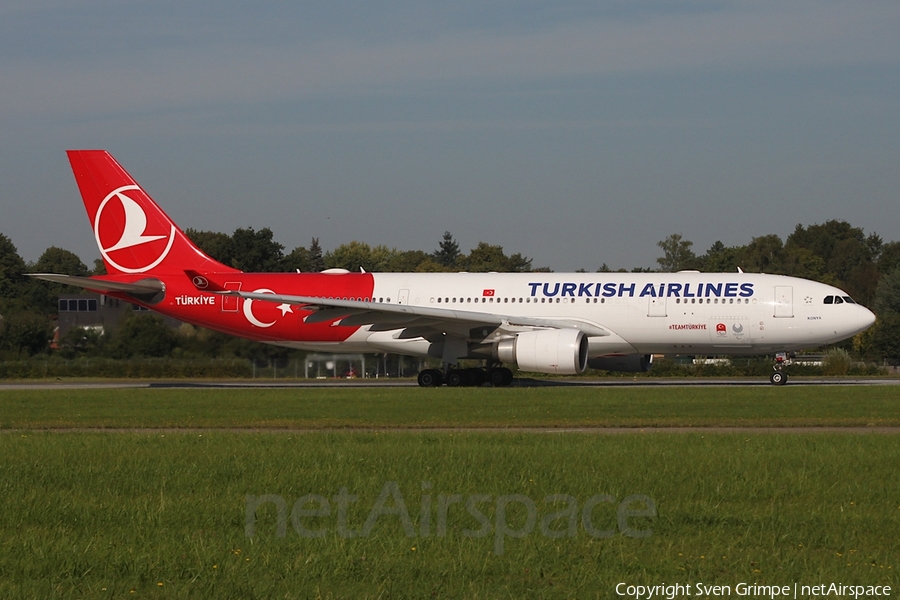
[[779, 377], [474, 377]]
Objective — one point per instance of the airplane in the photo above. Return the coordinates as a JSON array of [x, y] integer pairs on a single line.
[[557, 323]]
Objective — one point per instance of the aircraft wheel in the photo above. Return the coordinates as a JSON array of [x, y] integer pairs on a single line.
[[475, 377], [455, 378], [778, 378], [430, 378], [500, 377]]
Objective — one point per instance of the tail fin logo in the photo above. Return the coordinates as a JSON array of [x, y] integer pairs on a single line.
[[127, 240]]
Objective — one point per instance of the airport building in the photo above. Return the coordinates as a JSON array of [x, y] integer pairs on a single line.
[[96, 311]]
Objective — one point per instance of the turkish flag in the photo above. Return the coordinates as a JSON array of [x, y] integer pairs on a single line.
[[487, 293]]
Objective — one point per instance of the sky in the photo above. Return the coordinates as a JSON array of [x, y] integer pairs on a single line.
[[575, 132]]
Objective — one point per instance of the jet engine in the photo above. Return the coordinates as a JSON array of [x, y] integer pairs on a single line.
[[557, 351], [629, 363]]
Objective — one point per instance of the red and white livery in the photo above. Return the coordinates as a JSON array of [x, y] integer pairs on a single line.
[[538, 322]]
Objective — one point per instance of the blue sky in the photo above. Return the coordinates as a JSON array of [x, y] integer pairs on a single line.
[[576, 133]]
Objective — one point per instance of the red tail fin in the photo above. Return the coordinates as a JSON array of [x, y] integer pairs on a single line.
[[133, 233]]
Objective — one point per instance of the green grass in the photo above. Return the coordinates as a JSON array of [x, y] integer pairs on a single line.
[[99, 514], [828, 405], [102, 514]]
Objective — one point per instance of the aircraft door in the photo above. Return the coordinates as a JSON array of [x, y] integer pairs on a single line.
[[230, 303], [403, 297], [784, 301], [657, 307]]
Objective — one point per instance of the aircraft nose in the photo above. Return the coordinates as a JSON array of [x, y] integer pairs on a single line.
[[866, 318]]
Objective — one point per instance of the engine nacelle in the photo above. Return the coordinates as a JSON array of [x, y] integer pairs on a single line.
[[630, 363], [557, 351]]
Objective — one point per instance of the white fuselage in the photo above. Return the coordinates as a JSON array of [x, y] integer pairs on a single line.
[[644, 313]]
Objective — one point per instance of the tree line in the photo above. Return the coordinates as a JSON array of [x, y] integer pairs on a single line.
[[835, 252], [257, 252]]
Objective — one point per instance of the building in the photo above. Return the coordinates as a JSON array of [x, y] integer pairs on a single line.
[[96, 311]]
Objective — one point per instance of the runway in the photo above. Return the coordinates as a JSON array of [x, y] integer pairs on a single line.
[[402, 383]]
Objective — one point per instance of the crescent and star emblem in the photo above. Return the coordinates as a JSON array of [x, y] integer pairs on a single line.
[[248, 309]]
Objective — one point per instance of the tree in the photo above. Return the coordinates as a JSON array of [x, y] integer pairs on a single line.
[[889, 258], [80, 340], [11, 268], [356, 255], [485, 258], [886, 338], [448, 252], [99, 267], [43, 296], [58, 260], [216, 245], [763, 254], [677, 254], [142, 335], [296, 261], [802, 262], [25, 332], [316, 260], [408, 261], [887, 294], [720, 258], [518, 264], [848, 255], [256, 251]]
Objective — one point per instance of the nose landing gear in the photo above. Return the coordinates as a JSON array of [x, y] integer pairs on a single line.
[[779, 377]]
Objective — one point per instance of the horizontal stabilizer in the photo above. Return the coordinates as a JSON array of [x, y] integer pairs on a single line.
[[145, 286]]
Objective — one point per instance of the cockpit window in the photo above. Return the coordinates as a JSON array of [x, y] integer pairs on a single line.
[[849, 300], [837, 300], [829, 299]]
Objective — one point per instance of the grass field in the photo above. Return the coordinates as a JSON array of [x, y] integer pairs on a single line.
[[452, 407], [491, 514]]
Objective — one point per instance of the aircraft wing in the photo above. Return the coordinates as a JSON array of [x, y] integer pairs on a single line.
[[385, 317]]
